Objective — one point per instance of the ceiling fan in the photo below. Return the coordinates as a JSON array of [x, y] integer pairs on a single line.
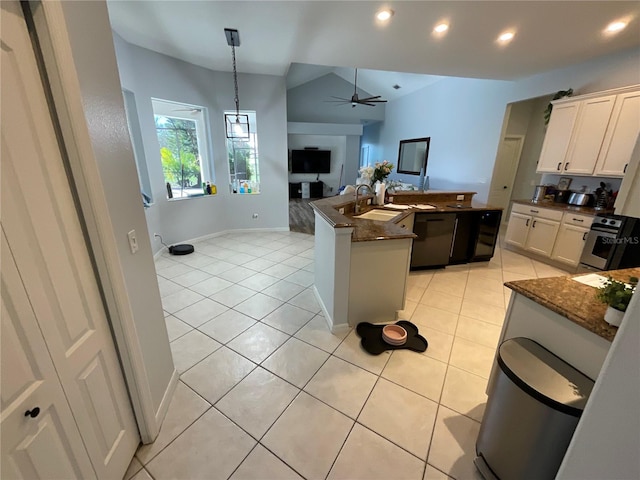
[[355, 100]]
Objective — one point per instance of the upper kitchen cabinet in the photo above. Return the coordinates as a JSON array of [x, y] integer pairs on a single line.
[[623, 131], [592, 134], [556, 140]]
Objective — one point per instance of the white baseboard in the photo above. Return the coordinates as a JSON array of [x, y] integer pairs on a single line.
[[337, 329]]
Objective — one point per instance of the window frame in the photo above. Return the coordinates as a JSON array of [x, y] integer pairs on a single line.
[[167, 108], [254, 146]]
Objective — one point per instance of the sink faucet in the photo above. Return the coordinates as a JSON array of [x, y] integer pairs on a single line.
[[357, 207]]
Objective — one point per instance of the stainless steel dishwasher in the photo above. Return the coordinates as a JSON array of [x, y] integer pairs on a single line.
[[435, 233]]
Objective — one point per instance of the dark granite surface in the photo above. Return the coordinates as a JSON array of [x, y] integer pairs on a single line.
[[371, 230], [572, 299], [563, 206]]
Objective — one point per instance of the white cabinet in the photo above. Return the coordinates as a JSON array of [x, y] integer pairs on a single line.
[[588, 134], [571, 238], [592, 134], [533, 228], [542, 236], [518, 229], [621, 137], [556, 140]]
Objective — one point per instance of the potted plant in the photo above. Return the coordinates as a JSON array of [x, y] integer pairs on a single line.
[[617, 296]]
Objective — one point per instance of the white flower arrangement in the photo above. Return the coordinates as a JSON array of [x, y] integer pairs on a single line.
[[378, 173]]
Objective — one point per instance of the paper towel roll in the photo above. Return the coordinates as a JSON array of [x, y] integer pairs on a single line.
[[380, 189]]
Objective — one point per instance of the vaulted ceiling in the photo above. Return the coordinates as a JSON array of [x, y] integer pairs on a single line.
[[317, 36]]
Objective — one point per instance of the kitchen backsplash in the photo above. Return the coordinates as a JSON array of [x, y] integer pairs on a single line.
[[578, 182]]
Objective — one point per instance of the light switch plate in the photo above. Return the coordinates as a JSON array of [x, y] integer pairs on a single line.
[[341, 211], [368, 201], [460, 197], [133, 241]]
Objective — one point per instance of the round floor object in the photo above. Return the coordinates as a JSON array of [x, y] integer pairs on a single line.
[[394, 334], [181, 249]]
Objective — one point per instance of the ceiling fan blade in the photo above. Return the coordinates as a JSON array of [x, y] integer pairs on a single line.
[[342, 99], [368, 99]]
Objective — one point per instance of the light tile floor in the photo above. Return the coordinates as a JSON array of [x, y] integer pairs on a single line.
[[267, 392]]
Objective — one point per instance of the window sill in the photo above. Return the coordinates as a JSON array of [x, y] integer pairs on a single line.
[[246, 194], [192, 197]]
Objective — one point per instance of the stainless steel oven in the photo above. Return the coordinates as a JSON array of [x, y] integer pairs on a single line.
[[612, 243]]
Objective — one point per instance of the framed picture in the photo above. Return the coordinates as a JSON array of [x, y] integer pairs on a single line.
[[563, 183]]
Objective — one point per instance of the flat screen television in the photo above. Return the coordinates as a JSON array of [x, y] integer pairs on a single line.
[[310, 161]]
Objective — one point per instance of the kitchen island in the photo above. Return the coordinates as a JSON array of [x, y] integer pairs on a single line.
[[361, 265], [564, 316]]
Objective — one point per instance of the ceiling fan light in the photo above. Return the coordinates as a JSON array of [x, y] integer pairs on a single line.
[[506, 37]]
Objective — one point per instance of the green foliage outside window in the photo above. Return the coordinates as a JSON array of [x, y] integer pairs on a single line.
[[179, 151]]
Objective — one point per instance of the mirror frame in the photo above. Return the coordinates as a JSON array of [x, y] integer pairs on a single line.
[[399, 169]]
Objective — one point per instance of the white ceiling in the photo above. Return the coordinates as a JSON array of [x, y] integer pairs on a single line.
[[317, 36]]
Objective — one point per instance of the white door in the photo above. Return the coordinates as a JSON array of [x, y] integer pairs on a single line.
[[44, 233], [542, 236], [39, 437], [588, 135], [556, 140], [504, 172], [518, 229]]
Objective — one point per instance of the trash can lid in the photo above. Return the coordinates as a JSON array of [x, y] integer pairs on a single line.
[[544, 376]]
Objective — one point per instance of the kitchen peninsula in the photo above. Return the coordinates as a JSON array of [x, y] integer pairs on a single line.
[[362, 264], [564, 316]]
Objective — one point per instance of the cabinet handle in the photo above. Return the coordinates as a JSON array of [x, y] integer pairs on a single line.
[[534, 211], [624, 170], [559, 165], [566, 165], [33, 413], [453, 239], [527, 224], [533, 225], [577, 220], [584, 237]]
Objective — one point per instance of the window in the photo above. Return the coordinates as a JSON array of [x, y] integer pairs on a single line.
[[136, 143], [243, 159], [183, 152]]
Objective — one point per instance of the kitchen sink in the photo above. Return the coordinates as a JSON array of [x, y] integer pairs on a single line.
[[378, 214]]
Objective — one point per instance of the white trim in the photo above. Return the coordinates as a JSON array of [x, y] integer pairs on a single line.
[[335, 329], [586, 96], [51, 27]]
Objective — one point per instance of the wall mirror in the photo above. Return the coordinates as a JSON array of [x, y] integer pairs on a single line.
[[413, 155]]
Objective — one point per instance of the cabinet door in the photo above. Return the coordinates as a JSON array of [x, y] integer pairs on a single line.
[[556, 140], [518, 229], [569, 245], [621, 136], [588, 135], [542, 236]]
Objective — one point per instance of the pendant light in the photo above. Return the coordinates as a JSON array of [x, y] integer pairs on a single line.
[[236, 125]]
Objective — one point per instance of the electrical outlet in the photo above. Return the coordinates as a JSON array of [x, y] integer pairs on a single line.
[[341, 211], [331, 189], [390, 199], [368, 201], [460, 197], [133, 241], [255, 215]]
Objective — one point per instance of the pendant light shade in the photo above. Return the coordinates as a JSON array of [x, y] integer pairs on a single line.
[[236, 126]]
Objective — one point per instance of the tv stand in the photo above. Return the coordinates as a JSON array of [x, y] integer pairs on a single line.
[[316, 189]]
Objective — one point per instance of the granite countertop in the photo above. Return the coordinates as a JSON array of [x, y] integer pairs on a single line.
[[572, 299], [563, 206], [370, 230]]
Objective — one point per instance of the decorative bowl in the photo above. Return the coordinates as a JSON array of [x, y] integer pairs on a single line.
[[394, 335]]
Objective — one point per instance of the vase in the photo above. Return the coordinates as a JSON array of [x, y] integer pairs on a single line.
[[613, 317]]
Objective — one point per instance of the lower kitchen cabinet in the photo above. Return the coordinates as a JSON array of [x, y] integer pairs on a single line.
[[518, 229], [569, 244], [542, 236]]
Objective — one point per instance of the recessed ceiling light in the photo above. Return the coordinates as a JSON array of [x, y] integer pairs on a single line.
[[441, 28], [384, 15], [506, 37], [615, 27]]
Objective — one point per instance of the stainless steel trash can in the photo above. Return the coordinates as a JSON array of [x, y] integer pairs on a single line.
[[535, 402]]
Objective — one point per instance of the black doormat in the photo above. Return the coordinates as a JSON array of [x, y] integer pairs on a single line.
[[373, 343]]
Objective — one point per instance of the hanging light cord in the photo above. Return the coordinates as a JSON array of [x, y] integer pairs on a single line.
[[235, 83]]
